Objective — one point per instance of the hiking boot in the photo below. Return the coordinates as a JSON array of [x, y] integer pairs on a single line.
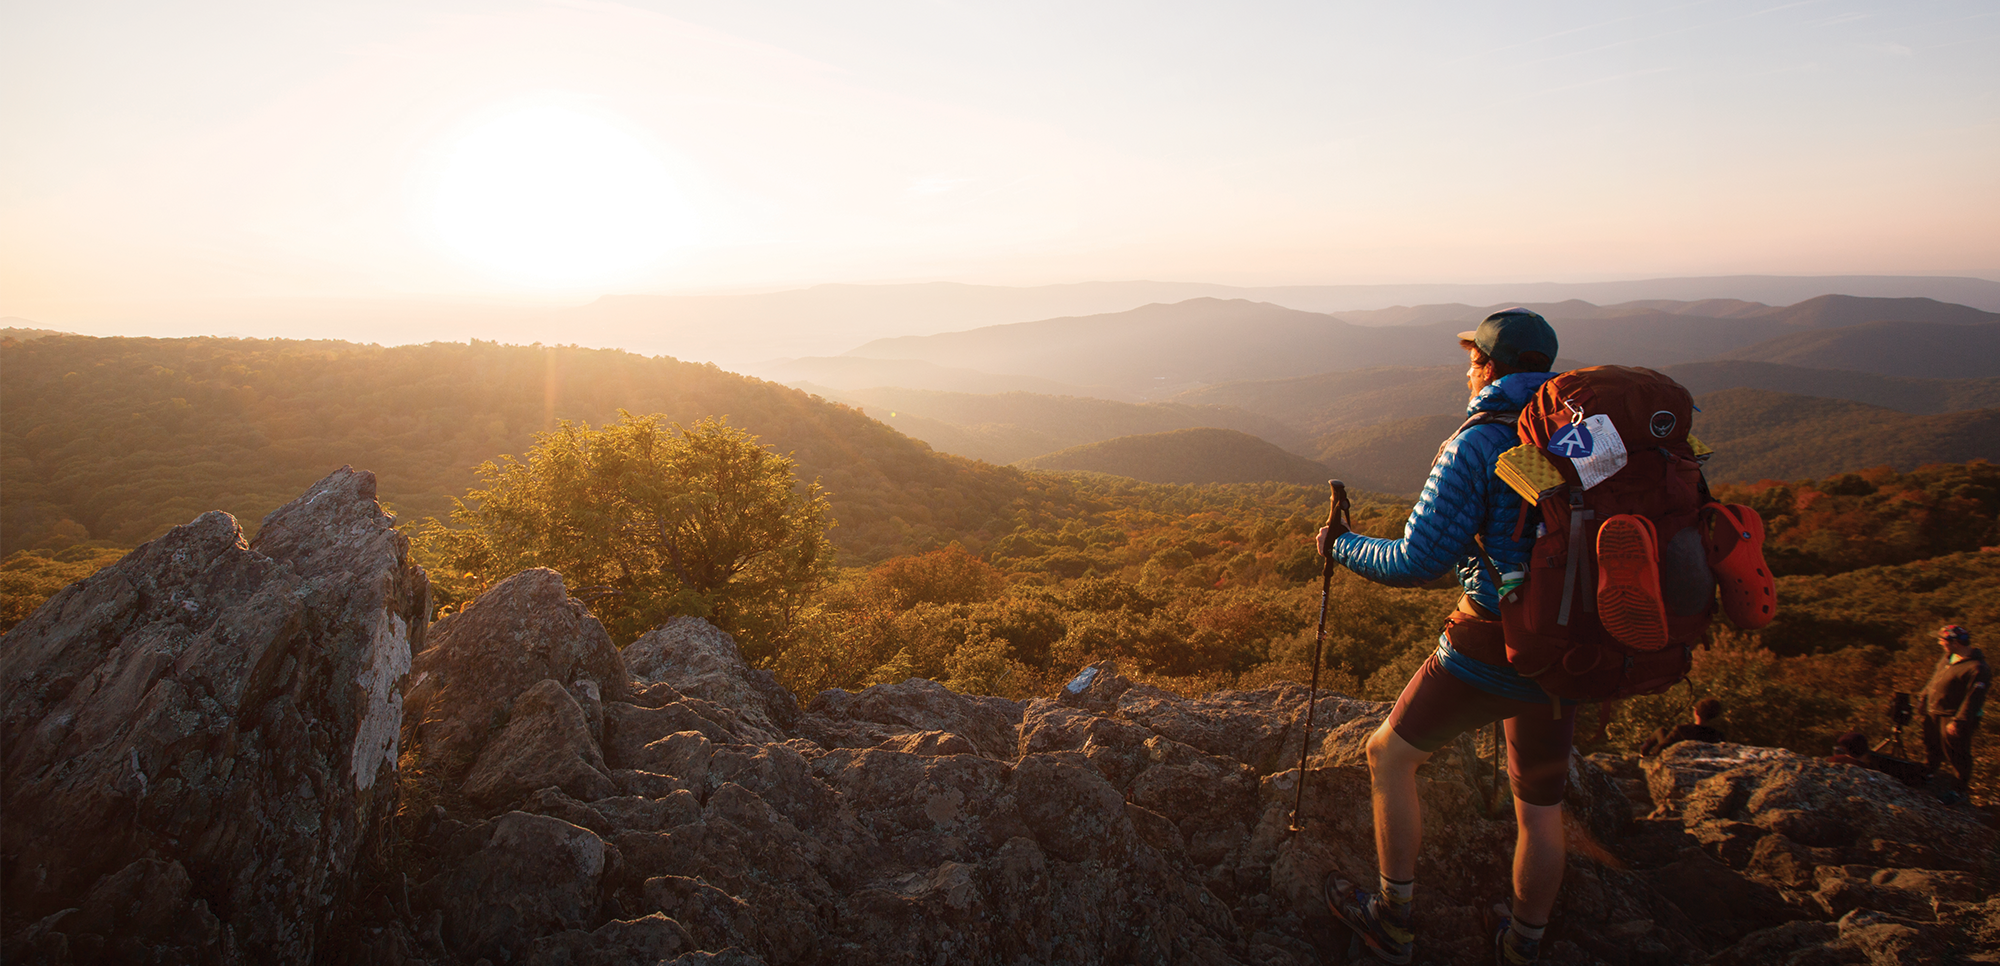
[[1735, 544], [1509, 949], [1628, 583], [1383, 926]]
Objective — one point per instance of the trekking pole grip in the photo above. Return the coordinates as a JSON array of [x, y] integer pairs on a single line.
[[1337, 511]]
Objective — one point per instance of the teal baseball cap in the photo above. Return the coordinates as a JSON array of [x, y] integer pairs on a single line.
[[1509, 332]]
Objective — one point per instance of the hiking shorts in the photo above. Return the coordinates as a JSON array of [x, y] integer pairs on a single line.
[[1436, 707]]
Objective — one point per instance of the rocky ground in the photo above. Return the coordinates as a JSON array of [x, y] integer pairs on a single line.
[[222, 753]]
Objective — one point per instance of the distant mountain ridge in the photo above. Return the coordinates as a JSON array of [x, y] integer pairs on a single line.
[[1381, 423], [24, 333], [849, 372], [1921, 349], [1822, 311], [1331, 401], [1159, 350], [1921, 396], [1155, 350], [827, 319], [1012, 426], [1200, 455]]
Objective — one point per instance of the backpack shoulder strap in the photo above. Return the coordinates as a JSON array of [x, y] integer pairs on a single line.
[[1477, 419], [1482, 418], [1487, 417]]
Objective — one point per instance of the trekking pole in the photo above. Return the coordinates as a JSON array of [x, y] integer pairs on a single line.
[[1337, 512]]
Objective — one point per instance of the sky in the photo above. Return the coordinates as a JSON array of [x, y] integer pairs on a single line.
[[526, 152]]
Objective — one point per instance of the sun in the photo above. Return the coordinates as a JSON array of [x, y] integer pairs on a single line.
[[550, 195]]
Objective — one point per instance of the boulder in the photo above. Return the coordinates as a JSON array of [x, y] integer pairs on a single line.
[[521, 632], [531, 877], [930, 743], [702, 661], [546, 743], [213, 725], [842, 719], [1735, 795], [630, 731]]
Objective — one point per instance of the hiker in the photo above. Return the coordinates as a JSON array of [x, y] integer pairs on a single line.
[[1952, 704], [1706, 712], [1467, 682]]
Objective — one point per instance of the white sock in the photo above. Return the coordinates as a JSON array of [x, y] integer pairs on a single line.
[[1397, 890]]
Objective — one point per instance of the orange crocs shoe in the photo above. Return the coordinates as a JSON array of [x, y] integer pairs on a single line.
[[1735, 542], [1628, 582]]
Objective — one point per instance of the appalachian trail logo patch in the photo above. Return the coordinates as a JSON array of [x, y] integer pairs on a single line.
[[1593, 445], [1574, 442]]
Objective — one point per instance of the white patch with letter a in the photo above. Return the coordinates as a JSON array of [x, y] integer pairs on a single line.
[[1593, 446]]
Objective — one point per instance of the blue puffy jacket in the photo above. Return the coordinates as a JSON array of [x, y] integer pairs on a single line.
[[1461, 498]]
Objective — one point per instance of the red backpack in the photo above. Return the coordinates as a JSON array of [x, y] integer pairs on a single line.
[[1608, 443]]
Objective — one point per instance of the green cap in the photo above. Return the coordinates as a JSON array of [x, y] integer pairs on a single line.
[[1508, 333]]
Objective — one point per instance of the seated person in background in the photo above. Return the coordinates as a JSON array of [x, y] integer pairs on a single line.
[[1706, 712], [1852, 749]]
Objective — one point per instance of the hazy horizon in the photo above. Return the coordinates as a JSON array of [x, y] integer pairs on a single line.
[[317, 171]]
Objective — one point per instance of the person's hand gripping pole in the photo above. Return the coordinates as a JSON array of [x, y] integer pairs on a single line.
[[1339, 520]]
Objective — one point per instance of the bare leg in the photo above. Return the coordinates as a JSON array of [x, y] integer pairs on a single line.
[[1538, 858], [1399, 816]]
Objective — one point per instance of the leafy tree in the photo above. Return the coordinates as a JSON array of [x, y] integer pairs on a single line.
[[646, 520], [30, 577], [946, 576]]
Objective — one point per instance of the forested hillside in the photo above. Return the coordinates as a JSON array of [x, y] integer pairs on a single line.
[[1757, 435], [1204, 587], [1198, 455], [1761, 435], [1333, 402], [1194, 587], [1009, 426], [115, 440], [848, 372], [1902, 393]]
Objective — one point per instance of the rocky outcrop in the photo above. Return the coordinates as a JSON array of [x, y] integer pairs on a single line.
[[700, 661], [1781, 858], [521, 632], [889, 714], [201, 740], [566, 803], [546, 744]]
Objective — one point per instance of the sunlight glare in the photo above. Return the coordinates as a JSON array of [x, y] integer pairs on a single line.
[[551, 195]]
